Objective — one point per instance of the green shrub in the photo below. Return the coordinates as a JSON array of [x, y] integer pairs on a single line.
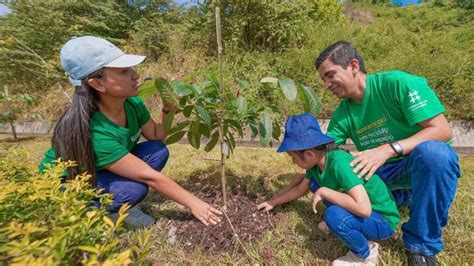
[[45, 222]]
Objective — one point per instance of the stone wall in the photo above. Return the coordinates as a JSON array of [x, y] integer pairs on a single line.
[[463, 133]]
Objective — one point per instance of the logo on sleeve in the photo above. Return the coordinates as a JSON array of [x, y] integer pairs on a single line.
[[136, 136], [415, 101], [414, 96]]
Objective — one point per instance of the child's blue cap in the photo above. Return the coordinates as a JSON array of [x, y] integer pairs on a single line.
[[302, 132]]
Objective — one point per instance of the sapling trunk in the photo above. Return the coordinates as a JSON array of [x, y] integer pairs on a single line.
[[221, 113], [15, 137]]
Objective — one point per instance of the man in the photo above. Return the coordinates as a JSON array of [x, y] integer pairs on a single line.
[[397, 125]]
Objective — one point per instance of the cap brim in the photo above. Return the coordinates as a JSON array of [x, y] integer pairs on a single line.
[[126, 60]]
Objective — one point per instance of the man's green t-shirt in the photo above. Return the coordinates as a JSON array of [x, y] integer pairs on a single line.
[[338, 175], [392, 105], [110, 141]]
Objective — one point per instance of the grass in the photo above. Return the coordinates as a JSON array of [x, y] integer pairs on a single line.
[[295, 238]]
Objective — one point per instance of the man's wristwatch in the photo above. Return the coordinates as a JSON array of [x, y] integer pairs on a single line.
[[397, 148]]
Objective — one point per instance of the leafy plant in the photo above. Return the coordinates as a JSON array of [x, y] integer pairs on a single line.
[[204, 113], [46, 222]]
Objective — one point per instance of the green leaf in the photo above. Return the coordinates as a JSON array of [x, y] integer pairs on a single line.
[[194, 136], [253, 126], [288, 87], [231, 142], [271, 80], [147, 89], [89, 249], [241, 105], [169, 120], [206, 84], [212, 142], [203, 114], [276, 131], [178, 127], [181, 88], [204, 130], [196, 88], [175, 137], [311, 101], [243, 84], [236, 126], [265, 129], [166, 92], [187, 110]]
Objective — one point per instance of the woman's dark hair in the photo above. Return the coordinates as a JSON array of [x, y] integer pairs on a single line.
[[71, 138]]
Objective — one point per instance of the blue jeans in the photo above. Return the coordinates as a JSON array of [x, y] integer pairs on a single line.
[[355, 231], [125, 190], [426, 180]]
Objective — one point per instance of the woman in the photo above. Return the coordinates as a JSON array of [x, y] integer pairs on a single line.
[[103, 124]]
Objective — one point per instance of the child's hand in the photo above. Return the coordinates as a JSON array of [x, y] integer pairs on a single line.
[[265, 205], [316, 198]]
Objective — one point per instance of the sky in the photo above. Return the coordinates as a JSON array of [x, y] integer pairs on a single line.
[[3, 9]]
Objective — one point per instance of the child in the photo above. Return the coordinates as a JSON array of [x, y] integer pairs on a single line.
[[358, 211]]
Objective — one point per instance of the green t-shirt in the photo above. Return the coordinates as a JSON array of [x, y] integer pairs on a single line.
[[110, 141], [392, 105], [338, 175]]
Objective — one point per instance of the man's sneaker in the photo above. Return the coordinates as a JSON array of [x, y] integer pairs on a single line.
[[352, 259], [418, 259], [135, 219], [323, 227]]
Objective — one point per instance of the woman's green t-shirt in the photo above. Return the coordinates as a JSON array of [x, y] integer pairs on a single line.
[[110, 141]]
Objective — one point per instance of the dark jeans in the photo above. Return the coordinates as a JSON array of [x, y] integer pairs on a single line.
[[426, 180], [355, 231], [125, 190]]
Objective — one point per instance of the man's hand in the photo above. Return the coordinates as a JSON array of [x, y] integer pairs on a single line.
[[265, 205], [206, 213], [316, 198], [368, 161]]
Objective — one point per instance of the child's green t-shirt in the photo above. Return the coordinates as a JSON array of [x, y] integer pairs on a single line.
[[392, 106], [110, 141], [338, 176]]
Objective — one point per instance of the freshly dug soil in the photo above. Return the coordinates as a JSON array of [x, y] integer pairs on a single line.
[[243, 222]]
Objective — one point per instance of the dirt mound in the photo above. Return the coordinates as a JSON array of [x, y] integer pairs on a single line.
[[241, 223], [361, 15]]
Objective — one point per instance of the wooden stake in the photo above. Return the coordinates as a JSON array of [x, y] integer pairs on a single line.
[[221, 114]]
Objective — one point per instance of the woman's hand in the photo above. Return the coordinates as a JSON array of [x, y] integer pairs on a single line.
[[206, 213], [265, 205], [167, 107]]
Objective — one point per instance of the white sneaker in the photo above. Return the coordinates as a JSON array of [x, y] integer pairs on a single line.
[[135, 219], [352, 259], [323, 227]]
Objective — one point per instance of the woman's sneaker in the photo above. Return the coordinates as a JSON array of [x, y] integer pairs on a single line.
[[323, 227], [352, 259], [135, 219]]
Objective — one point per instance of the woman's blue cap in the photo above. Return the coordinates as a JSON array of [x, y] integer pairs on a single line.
[[302, 132]]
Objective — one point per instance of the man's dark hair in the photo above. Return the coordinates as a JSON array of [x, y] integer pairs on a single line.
[[340, 53]]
